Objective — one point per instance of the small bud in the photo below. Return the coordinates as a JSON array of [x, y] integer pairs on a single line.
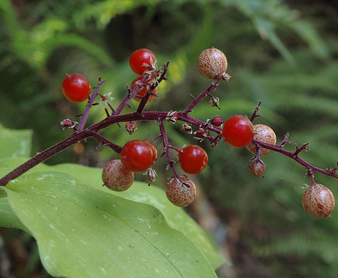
[[151, 175], [217, 121], [187, 128], [200, 133], [172, 117], [214, 101], [131, 127], [67, 123]]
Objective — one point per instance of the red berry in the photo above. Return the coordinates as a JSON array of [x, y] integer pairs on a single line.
[[256, 168], [212, 63], [138, 155], [142, 60], [238, 131], [193, 159], [181, 194], [152, 149], [76, 87], [264, 134], [318, 200], [141, 93], [116, 176]]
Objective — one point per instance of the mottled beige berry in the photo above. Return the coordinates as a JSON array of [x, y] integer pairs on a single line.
[[264, 134], [256, 168], [181, 194], [116, 176], [318, 200], [212, 63]]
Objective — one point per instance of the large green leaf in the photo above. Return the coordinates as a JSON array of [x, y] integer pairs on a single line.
[[139, 192], [15, 143], [7, 217], [84, 232]]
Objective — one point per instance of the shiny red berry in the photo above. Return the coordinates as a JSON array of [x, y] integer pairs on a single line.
[[138, 155], [181, 194], [142, 60], [193, 159], [76, 87], [116, 176], [238, 131], [318, 200]]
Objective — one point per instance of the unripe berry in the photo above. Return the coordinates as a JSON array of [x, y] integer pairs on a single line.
[[264, 134], [181, 194], [212, 63], [116, 176], [318, 200]]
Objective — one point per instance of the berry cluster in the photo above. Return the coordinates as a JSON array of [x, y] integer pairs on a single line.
[[139, 155]]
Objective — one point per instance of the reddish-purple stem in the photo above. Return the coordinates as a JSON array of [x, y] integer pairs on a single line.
[[166, 148], [206, 92], [89, 105]]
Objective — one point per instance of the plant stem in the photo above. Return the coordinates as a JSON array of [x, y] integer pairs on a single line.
[[89, 105]]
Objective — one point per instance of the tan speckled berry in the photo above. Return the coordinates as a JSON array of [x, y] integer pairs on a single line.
[[256, 168], [264, 134], [212, 63], [116, 176], [318, 200], [180, 194]]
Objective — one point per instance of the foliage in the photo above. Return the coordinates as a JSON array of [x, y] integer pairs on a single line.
[[74, 219]]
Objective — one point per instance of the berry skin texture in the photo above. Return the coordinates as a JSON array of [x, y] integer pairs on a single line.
[[264, 134], [179, 194], [238, 131], [318, 200], [212, 63], [76, 88], [138, 155], [193, 159], [116, 176], [141, 93], [142, 60]]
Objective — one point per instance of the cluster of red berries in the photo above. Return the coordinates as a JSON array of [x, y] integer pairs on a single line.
[[143, 62], [140, 155]]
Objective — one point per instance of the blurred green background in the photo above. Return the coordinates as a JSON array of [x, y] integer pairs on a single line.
[[281, 52]]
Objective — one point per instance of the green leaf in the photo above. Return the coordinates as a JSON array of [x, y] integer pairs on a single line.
[[15, 143], [83, 232], [7, 217], [151, 195], [139, 192]]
